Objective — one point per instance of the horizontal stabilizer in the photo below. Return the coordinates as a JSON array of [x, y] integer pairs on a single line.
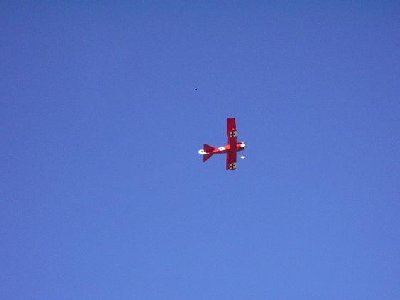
[[208, 148], [209, 151], [206, 156]]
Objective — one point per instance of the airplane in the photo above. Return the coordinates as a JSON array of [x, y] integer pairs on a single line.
[[230, 149]]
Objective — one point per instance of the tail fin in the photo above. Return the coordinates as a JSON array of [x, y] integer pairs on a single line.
[[209, 149]]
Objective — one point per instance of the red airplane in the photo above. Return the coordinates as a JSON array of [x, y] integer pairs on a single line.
[[230, 149]]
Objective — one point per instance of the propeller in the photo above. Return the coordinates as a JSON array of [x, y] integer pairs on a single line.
[[243, 156]]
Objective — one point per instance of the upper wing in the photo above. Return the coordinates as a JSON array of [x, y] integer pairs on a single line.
[[231, 132], [231, 127], [231, 160], [232, 141]]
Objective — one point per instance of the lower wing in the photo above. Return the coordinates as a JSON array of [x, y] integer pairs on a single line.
[[231, 160]]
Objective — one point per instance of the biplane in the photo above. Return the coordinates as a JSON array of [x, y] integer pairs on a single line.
[[230, 149]]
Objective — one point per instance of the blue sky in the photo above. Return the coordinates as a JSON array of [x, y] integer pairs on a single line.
[[103, 194]]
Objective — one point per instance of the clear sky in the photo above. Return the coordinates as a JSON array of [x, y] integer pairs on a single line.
[[103, 194]]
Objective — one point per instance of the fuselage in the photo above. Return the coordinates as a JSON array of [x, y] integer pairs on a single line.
[[223, 149]]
